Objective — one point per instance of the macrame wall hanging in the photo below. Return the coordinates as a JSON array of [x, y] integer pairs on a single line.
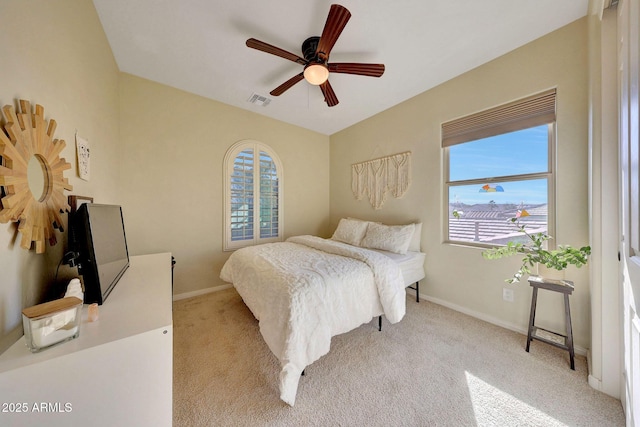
[[377, 177]]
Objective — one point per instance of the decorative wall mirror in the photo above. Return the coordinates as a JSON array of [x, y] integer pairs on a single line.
[[32, 176]]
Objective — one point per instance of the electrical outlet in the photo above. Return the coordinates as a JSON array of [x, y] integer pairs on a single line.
[[507, 294]]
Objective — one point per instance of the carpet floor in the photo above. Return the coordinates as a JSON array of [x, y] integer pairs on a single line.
[[437, 367]]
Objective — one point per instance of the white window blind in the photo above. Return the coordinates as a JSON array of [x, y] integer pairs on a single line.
[[242, 196]]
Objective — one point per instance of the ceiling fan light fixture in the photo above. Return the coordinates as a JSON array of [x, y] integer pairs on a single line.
[[316, 74]]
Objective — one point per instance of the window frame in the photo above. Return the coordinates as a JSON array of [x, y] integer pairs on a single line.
[[550, 175], [228, 167]]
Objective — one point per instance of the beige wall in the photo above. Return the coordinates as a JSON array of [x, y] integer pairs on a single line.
[[55, 53], [458, 276], [173, 149]]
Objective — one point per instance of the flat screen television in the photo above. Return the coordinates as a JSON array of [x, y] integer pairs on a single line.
[[101, 243]]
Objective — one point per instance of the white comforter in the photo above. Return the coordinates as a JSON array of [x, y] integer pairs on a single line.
[[308, 289]]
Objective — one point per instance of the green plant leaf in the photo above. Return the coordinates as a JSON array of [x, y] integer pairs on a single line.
[[535, 253]]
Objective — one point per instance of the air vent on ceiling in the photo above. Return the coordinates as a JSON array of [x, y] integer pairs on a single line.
[[260, 100]]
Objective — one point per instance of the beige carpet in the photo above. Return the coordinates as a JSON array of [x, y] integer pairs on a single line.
[[436, 367]]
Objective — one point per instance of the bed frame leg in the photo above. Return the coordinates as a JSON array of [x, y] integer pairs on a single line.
[[417, 289], [379, 323]]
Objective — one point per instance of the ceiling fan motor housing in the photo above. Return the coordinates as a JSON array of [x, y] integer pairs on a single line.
[[309, 47]]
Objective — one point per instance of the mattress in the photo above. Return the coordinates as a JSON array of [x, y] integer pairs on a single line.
[[411, 264]]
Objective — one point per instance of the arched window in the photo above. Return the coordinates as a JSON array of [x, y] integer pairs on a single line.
[[253, 195]]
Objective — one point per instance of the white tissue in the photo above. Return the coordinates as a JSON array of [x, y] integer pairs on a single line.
[[52, 329], [74, 289]]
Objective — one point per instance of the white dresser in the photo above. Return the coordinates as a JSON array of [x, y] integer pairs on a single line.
[[118, 372]]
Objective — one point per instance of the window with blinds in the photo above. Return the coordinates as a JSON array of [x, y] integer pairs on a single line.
[[498, 165], [253, 208], [268, 197], [242, 196]]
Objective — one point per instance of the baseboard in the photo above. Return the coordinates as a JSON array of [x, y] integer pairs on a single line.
[[199, 292], [595, 383], [490, 319]]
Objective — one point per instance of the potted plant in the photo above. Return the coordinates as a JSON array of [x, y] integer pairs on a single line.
[[534, 252]]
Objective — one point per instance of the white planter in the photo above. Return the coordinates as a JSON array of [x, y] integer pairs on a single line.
[[549, 273]]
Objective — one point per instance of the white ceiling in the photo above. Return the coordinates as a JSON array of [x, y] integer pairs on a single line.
[[199, 46]]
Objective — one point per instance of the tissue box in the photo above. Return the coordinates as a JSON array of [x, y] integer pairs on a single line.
[[52, 323]]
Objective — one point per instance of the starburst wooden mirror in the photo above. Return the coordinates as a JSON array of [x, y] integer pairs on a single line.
[[32, 176]]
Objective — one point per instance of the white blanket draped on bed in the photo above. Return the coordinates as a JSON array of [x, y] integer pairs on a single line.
[[308, 289]]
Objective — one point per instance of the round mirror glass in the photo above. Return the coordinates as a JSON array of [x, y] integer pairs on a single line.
[[37, 177]]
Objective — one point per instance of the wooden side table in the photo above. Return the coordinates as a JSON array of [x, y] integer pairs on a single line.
[[565, 287]]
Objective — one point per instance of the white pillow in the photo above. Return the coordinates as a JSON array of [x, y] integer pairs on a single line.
[[414, 246], [392, 238], [350, 231]]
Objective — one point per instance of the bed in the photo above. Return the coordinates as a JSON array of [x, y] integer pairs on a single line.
[[307, 289]]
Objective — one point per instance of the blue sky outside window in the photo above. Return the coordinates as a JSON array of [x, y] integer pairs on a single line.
[[491, 178]]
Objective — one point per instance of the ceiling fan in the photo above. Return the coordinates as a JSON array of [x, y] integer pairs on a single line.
[[315, 51]]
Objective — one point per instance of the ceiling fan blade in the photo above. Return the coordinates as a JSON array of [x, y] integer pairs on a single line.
[[371, 70], [329, 95], [266, 47], [287, 85], [336, 21]]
